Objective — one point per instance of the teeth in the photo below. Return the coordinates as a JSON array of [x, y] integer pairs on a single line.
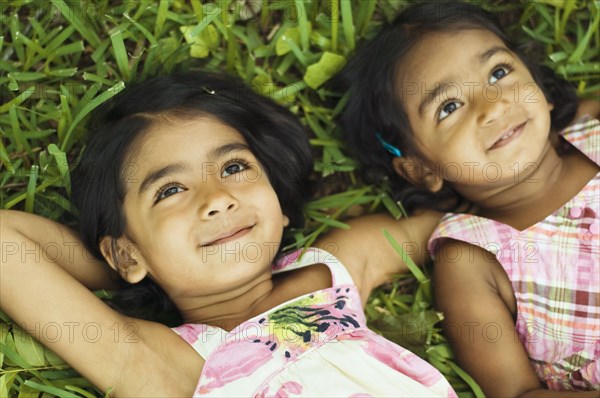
[[505, 136]]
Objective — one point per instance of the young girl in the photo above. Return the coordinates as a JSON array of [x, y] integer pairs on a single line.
[[186, 187], [469, 126]]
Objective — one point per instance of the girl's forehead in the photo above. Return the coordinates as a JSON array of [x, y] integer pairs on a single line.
[[441, 53], [197, 134], [194, 145]]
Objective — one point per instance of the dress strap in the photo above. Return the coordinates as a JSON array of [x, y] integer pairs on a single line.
[[203, 338], [305, 257], [478, 231]]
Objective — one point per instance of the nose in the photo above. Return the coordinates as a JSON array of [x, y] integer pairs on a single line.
[[493, 105], [216, 203]]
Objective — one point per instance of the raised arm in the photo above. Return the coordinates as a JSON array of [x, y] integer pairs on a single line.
[[49, 240], [473, 292], [135, 358], [367, 253]]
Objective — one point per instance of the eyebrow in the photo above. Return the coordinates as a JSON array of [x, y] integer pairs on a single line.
[[431, 95], [223, 150], [161, 173], [178, 167], [441, 87], [483, 57]]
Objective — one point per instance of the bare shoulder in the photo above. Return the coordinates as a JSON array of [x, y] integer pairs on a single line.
[[367, 253], [588, 107], [477, 301]]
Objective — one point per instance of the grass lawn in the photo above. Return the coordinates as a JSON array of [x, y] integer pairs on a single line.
[[60, 59]]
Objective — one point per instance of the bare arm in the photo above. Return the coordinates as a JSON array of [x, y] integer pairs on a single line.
[[49, 240], [470, 289], [137, 358], [588, 107], [368, 255]]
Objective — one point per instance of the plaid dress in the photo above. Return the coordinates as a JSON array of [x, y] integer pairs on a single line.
[[554, 268]]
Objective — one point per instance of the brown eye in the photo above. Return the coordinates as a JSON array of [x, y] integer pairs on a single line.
[[168, 190], [448, 108], [499, 73], [233, 168]]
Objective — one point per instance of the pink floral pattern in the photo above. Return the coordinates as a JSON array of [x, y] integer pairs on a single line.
[[315, 345]]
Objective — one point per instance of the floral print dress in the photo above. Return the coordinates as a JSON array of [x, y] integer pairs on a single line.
[[316, 345]]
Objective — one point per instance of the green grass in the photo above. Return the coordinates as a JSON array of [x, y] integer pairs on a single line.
[[62, 59]]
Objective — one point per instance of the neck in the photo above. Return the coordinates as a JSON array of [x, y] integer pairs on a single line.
[[530, 198], [552, 183], [227, 310]]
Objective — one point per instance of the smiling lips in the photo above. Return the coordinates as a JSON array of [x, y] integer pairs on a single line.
[[508, 136], [230, 235]]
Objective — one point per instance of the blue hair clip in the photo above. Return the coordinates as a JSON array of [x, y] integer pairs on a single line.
[[388, 147]]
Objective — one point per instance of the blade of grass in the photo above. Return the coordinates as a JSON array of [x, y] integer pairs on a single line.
[[120, 52], [583, 43], [16, 132], [77, 22], [348, 25], [334, 6], [149, 36], [5, 159], [50, 390], [161, 17], [30, 196], [413, 268], [303, 24], [90, 106], [468, 379]]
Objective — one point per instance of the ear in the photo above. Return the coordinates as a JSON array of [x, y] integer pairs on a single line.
[[417, 173], [122, 256], [286, 221]]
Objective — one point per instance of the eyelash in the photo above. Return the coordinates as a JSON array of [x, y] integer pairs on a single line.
[[241, 162], [441, 108], [158, 197], [159, 193], [505, 65]]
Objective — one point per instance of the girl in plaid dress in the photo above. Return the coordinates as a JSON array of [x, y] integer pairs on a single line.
[[448, 110]]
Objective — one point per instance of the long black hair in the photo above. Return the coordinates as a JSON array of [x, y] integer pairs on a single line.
[[374, 104], [274, 135]]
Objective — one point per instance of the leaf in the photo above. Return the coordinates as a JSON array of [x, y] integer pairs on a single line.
[[554, 3], [201, 43], [408, 330], [6, 382], [325, 69], [28, 392], [63, 165], [3, 334], [51, 390], [28, 348], [52, 358], [282, 45], [81, 391], [11, 356]]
